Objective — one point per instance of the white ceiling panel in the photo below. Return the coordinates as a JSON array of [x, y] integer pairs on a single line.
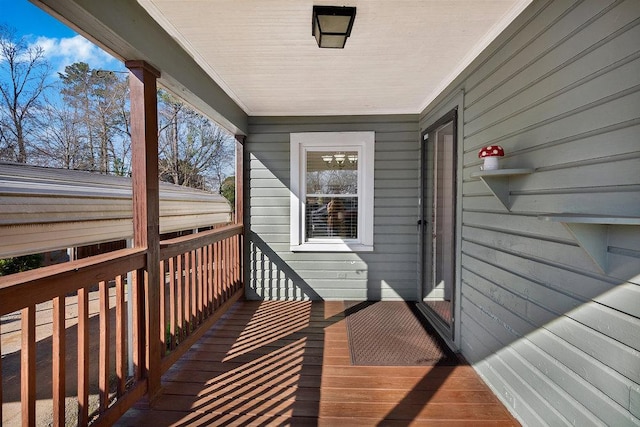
[[400, 56]]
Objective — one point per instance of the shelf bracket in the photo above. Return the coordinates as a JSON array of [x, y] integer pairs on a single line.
[[499, 187], [593, 239], [497, 181], [592, 232]]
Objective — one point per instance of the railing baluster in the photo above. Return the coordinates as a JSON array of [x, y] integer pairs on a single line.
[[234, 263], [172, 302], [205, 283], [138, 323], [214, 278], [180, 302], [187, 294], [194, 291], [222, 256], [28, 366], [163, 326], [59, 352], [230, 256], [83, 357], [240, 265], [214, 274], [103, 354], [222, 291], [227, 270], [200, 259], [221, 270], [217, 280], [210, 279], [121, 336], [210, 267]]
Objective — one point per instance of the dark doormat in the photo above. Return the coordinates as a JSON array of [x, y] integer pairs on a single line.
[[390, 333]]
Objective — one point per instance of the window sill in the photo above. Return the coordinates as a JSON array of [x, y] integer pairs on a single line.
[[331, 247]]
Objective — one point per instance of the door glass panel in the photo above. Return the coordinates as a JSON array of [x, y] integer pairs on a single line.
[[440, 238]]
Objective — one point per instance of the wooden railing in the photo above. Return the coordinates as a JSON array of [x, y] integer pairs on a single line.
[[203, 277]]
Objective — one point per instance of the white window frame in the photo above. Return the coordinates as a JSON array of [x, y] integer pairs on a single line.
[[301, 143]]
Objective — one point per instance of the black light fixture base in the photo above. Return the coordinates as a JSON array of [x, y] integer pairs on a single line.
[[331, 25]]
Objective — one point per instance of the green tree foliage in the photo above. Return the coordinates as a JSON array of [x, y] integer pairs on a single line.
[[23, 80], [18, 264], [228, 190]]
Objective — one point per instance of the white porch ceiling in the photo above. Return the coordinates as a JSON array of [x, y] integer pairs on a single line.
[[400, 56]]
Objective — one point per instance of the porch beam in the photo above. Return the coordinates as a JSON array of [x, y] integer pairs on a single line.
[[146, 206]]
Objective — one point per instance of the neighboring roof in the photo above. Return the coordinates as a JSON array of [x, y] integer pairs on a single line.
[[45, 209]]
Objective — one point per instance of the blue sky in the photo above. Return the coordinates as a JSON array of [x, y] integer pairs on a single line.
[[62, 46]]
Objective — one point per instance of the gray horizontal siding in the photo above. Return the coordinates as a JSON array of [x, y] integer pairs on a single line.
[[387, 273], [557, 338]]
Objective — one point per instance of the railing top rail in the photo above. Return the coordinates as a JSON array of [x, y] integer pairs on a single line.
[[179, 245], [33, 287]]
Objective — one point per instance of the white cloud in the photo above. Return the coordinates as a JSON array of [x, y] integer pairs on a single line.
[[61, 52]]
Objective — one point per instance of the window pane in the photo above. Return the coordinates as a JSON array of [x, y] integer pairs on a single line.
[[331, 217], [332, 172]]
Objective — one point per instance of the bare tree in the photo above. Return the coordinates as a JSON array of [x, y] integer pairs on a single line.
[[194, 151], [98, 100], [111, 94], [59, 138], [170, 116], [23, 80], [222, 162]]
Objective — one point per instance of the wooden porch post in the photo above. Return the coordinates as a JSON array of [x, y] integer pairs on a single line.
[[239, 208], [146, 210]]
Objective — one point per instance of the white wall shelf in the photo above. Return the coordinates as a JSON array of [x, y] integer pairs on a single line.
[[498, 182], [592, 232]]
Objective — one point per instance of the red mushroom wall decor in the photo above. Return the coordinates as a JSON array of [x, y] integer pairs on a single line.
[[490, 154]]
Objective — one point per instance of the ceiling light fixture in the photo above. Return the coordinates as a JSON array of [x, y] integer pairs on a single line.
[[332, 25], [339, 160]]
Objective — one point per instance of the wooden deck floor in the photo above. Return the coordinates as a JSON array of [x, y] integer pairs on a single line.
[[288, 363]]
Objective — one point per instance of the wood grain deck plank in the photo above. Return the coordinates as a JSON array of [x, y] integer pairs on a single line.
[[404, 383], [288, 363], [430, 411], [361, 421]]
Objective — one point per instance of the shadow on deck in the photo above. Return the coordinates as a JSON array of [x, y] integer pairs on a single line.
[[283, 363]]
